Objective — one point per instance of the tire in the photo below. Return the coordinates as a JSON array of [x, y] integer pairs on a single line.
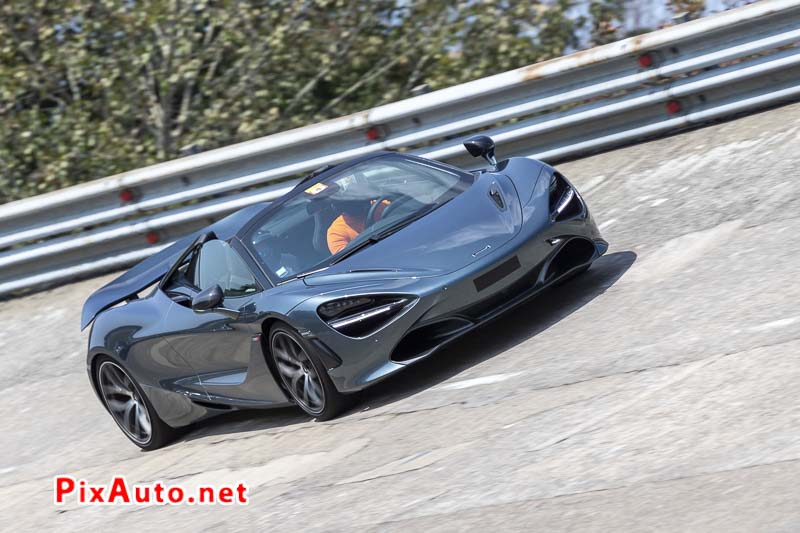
[[303, 376], [127, 404]]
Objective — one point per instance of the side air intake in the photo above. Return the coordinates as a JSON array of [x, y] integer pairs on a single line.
[[421, 341], [577, 252]]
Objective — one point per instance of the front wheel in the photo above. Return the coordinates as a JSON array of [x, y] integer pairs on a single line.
[[303, 375], [130, 408]]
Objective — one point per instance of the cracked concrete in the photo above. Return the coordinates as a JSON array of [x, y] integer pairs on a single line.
[[656, 392]]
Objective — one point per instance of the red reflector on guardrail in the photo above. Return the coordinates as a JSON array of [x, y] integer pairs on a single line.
[[673, 107], [646, 60], [126, 196]]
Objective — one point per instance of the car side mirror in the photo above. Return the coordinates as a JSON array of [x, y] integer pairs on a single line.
[[208, 299], [481, 146]]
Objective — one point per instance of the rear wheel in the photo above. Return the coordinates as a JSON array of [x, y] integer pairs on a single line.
[[303, 375], [130, 408]]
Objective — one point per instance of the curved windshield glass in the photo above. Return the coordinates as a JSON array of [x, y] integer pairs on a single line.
[[353, 208]]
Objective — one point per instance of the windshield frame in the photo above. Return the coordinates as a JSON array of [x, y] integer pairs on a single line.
[[246, 234]]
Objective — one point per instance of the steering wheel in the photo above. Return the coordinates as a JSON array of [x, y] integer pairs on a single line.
[[373, 209], [395, 201]]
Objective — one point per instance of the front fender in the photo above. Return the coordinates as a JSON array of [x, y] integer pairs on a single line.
[[524, 173]]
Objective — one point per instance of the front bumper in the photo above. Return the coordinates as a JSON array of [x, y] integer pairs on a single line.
[[450, 305]]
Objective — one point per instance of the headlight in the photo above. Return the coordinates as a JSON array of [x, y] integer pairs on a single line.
[[359, 316], [564, 200]]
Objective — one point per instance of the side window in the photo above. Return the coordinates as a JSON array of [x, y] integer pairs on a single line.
[[219, 264]]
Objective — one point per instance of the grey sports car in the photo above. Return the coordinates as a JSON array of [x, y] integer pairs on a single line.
[[359, 271]]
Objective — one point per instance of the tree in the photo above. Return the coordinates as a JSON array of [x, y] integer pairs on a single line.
[[691, 8], [605, 20], [90, 88]]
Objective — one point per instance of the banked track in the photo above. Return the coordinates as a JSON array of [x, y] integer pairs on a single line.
[[659, 391]]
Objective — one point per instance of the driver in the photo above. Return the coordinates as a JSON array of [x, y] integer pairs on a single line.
[[352, 222]]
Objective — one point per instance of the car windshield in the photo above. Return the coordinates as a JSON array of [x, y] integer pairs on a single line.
[[337, 216]]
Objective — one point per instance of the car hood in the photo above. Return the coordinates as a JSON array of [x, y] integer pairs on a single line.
[[468, 228]]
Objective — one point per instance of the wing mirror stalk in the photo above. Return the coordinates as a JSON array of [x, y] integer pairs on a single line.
[[210, 300]]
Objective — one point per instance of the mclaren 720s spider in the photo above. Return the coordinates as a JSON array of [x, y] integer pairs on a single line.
[[362, 269]]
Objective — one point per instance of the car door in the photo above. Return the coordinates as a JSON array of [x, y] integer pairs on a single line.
[[220, 344]]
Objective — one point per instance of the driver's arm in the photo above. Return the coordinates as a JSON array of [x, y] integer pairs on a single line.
[[380, 209], [345, 228], [340, 233]]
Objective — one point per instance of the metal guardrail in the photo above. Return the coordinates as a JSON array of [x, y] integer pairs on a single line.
[[647, 85]]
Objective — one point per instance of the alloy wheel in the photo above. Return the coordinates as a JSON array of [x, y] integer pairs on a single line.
[[124, 402], [298, 372]]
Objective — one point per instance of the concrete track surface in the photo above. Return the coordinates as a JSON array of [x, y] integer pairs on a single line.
[[657, 392]]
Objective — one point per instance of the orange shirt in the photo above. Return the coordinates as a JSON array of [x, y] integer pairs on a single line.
[[345, 228]]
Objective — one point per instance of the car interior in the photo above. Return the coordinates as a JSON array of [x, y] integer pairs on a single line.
[[294, 239]]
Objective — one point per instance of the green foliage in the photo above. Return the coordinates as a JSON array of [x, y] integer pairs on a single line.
[[605, 15], [691, 8], [90, 88]]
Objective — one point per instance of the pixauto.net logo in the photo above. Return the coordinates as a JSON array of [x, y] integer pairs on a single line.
[[119, 492]]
